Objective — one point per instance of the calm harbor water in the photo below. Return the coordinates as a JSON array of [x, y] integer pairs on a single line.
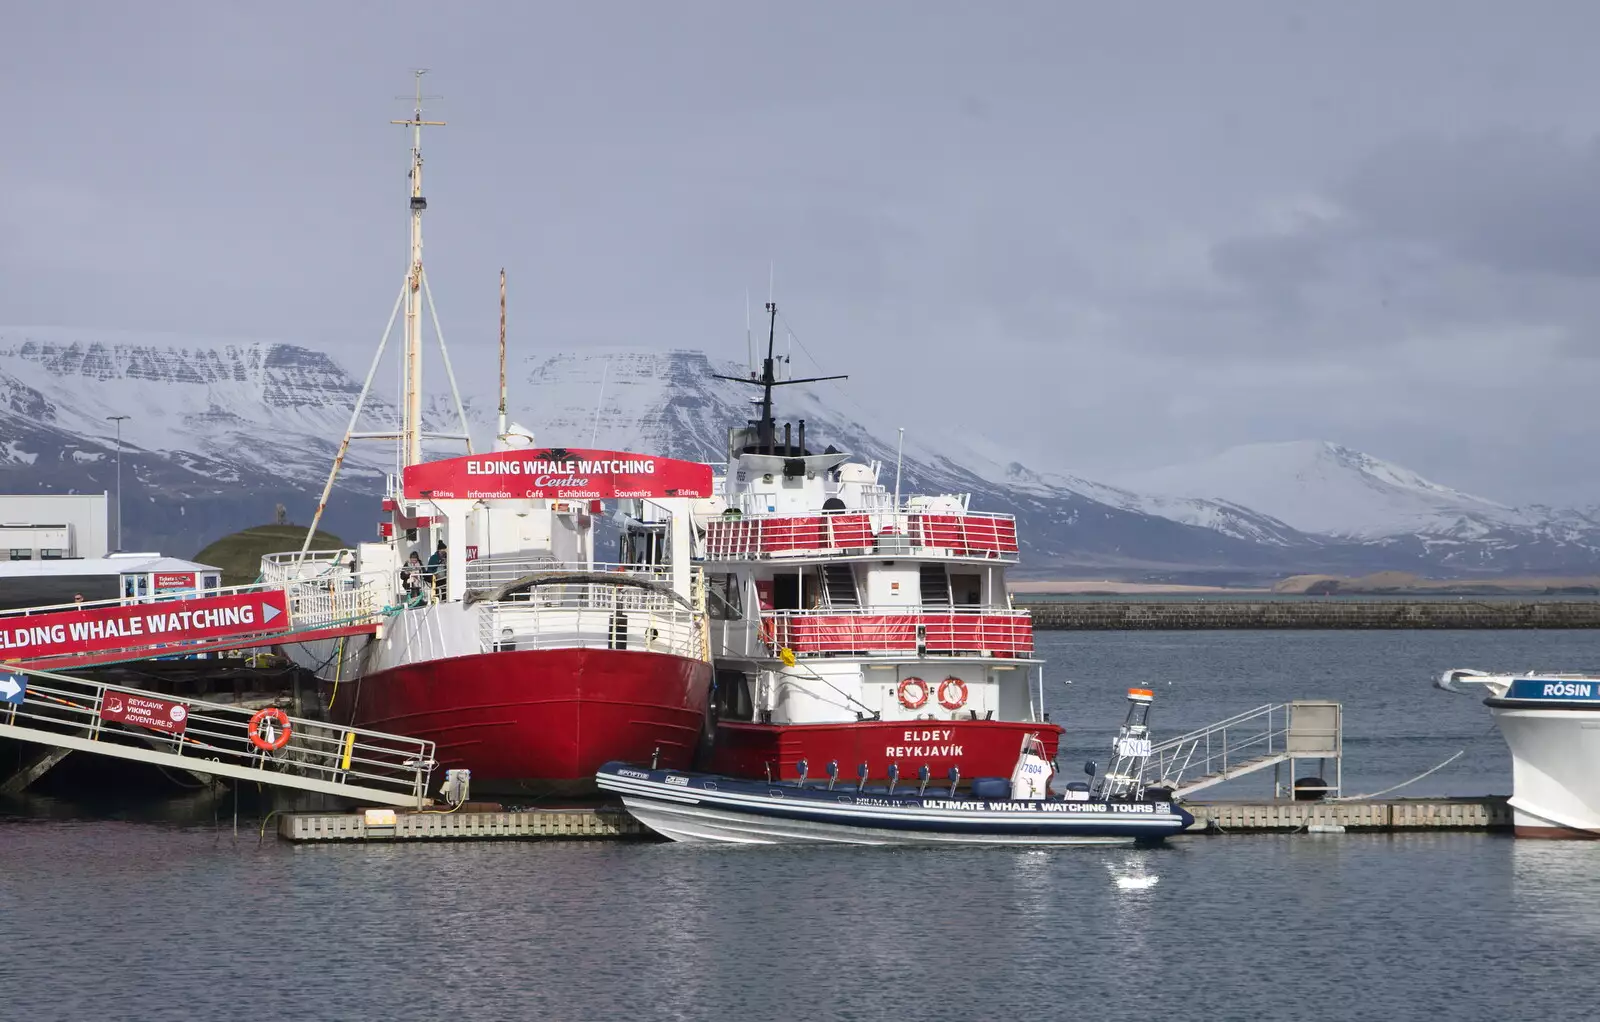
[[114, 916]]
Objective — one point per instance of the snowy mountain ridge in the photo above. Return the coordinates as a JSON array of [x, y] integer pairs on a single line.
[[218, 430]]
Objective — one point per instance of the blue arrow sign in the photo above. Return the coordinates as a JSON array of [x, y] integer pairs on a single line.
[[13, 687]]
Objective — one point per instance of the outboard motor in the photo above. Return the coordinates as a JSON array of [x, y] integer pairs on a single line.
[[1031, 777]]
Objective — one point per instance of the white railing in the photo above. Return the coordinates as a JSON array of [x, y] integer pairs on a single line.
[[1219, 749], [861, 533], [488, 573], [338, 599], [592, 615], [898, 632], [283, 567], [207, 737]]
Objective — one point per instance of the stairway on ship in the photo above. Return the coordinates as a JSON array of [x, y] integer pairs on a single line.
[[839, 585]]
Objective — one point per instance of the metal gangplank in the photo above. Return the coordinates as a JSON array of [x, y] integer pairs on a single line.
[[47, 708], [1266, 736], [75, 635]]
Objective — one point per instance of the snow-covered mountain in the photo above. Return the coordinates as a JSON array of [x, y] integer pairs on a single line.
[[221, 433], [1316, 486], [1324, 488]]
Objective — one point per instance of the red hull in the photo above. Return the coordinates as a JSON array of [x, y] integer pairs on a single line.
[[979, 748], [537, 722]]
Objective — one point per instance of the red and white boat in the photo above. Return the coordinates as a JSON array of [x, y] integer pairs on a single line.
[[527, 657], [850, 626]]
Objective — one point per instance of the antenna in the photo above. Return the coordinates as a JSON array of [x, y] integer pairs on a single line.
[[595, 435], [899, 451], [765, 429], [502, 433], [411, 421], [749, 344]]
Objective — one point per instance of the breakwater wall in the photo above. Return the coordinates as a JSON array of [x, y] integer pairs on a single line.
[[1173, 615]]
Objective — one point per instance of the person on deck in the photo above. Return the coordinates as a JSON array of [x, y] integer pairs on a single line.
[[436, 570], [411, 575]]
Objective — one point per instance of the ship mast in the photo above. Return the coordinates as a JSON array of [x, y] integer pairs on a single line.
[[502, 420], [767, 428], [411, 401]]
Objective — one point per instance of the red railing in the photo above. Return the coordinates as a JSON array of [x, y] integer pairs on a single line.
[[821, 535], [997, 633]]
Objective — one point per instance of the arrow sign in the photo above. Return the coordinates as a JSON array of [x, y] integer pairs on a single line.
[[13, 687], [141, 626]]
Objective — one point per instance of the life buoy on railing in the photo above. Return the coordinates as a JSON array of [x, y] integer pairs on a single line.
[[913, 693], [952, 693], [270, 729]]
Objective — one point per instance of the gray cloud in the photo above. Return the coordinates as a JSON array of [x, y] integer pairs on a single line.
[[1104, 236]]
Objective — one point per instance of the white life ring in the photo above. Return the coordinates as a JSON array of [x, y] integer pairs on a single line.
[[952, 693], [913, 693]]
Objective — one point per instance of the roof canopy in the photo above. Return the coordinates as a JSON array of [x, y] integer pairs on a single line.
[[556, 473]]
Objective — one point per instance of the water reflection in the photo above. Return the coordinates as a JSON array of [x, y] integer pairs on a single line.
[[1556, 886]]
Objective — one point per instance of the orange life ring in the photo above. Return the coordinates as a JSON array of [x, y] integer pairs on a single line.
[[270, 742], [952, 693], [913, 693]]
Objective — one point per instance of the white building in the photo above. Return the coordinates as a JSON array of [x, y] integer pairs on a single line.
[[54, 526]]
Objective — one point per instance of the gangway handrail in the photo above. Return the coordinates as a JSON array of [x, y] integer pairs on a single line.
[[208, 737], [1171, 761]]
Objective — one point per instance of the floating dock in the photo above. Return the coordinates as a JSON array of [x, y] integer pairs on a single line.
[[1308, 612], [1484, 812], [469, 823], [612, 823]]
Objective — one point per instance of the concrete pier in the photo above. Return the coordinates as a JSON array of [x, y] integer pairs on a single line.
[[1308, 612], [608, 823]]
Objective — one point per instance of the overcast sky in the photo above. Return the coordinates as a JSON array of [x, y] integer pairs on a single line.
[[1109, 235]]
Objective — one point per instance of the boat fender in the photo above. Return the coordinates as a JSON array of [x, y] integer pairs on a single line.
[[952, 693], [270, 737], [913, 693]]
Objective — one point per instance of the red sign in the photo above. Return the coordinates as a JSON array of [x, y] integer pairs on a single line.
[[143, 711], [556, 473], [174, 580], [472, 552], [26, 637]]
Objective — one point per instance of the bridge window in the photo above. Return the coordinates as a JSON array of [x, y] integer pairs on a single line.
[[51, 554], [21, 555]]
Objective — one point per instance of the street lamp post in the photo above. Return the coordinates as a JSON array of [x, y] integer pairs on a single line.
[[118, 420]]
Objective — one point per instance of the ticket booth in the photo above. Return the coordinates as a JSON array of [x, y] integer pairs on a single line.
[[168, 578]]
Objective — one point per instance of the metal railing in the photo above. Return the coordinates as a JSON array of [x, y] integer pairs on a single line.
[[487, 573], [894, 632], [284, 567], [856, 533], [593, 615], [1254, 738], [214, 738]]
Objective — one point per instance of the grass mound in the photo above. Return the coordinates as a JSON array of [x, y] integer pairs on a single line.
[[239, 555]]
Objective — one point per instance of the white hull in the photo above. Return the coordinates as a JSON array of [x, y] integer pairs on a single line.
[[704, 825], [1555, 763]]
